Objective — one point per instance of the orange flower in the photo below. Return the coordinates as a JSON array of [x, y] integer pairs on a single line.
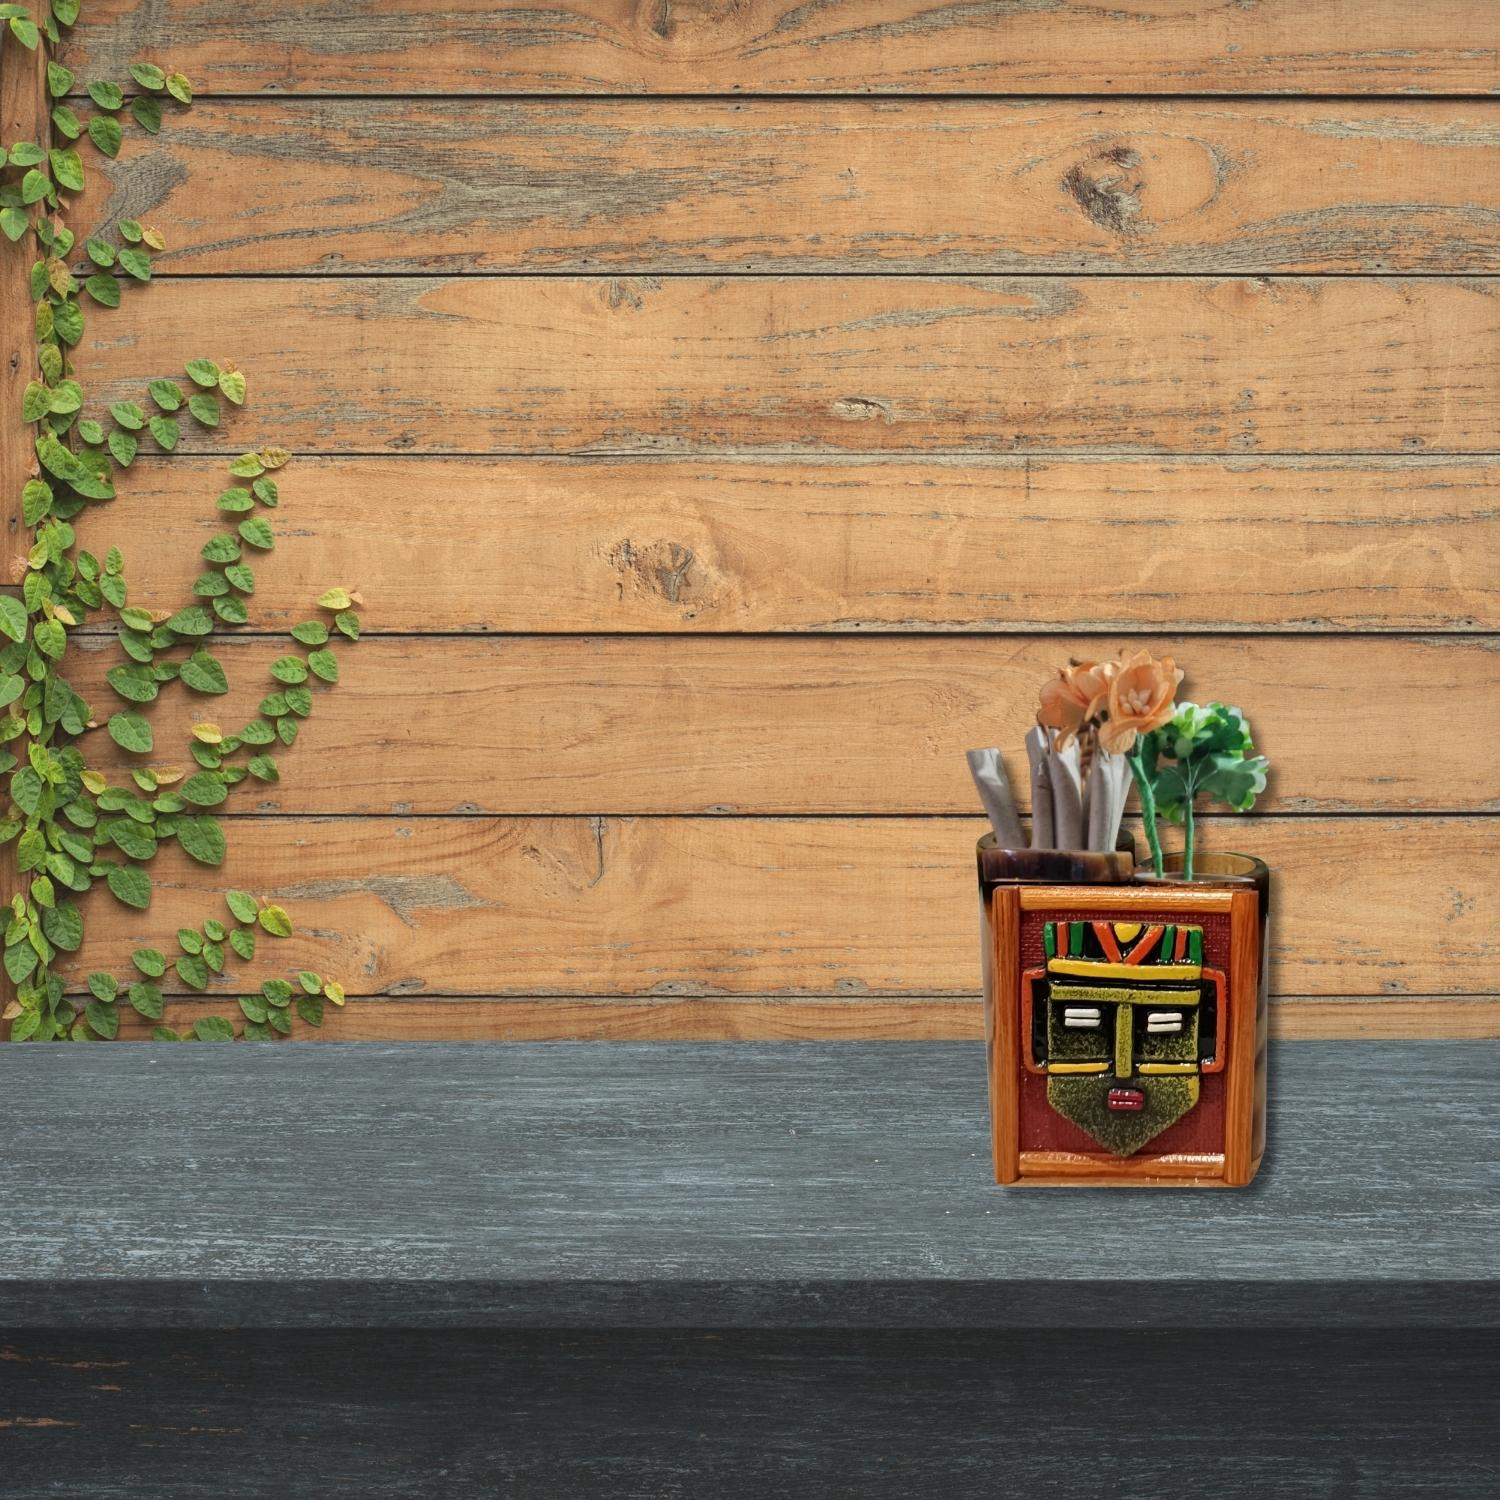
[[1141, 694], [1077, 696]]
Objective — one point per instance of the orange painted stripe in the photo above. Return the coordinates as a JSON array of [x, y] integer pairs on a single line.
[[1148, 940], [1105, 934], [1181, 943]]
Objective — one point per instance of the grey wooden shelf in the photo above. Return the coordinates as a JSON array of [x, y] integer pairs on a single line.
[[692, 1185], [754, 1271]]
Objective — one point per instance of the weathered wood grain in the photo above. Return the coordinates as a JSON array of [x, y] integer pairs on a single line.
[[717, 1186], [1095, 364], [781, 46], [807, 725], [568, 1414], [835, 544], [636, 186], [816, 906], [769, 1018]]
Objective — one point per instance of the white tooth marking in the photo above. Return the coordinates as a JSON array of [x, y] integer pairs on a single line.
[[1080, 1016], [1163, 1020]]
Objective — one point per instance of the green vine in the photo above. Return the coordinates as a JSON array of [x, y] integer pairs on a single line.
[[70, 826]]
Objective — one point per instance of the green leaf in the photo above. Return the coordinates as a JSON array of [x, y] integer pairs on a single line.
[[299, 702], [113, 588], [106, 95], [242, 905], [130, 732], [310, 1008], [247, 466], [12, 618], [138, 264], [266, 491], [130, 884], [147, 113], [25, 32], [146, 998], [36, 402], [290, 669], [63, 926], [221, 549], [166, 393], [193, 620], [133, 682], [65, 11], [66, 122], [67, 167], [204, 674], [128, 414], [257, 533], [59, 80], [203, 372], [152, 962], [263, 768], [67, 396], [212, 1028], [202, 839], [67, 321], [235, 499], [242, 577], [149, 76], [324, 664], [101, 253], [203, 790], [103, 1019], [35, 186], [165, 431], [103, 986], [310, 632], [231, 611], [13, 223], [275, 921], [192, 971], [20, 959], [205, 409], [123, 447], [232, 383], [131, 838], [105, 133], [253, 1007]]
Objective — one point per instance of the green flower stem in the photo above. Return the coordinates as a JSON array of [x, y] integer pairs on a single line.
[[1148, 805], [1187, 846]]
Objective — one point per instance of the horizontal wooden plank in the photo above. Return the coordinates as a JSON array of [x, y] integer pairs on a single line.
[[845, 544], [642, 186], [784, 46], [1095, 364], [769, 1018], [823, 907], [807, 725]]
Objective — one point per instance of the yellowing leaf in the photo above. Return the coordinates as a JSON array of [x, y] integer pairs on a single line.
[[210, 734], [166, 775], [66, 615], [334, 991], [336, 599], [93, 781]]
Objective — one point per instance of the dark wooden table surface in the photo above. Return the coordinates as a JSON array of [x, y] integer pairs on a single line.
[[675, 1184], [677, 1270]]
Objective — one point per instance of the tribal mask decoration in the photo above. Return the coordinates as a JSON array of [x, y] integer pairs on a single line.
[[1123, 1020]]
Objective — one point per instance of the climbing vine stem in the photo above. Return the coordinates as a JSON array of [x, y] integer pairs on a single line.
[[72, 825]]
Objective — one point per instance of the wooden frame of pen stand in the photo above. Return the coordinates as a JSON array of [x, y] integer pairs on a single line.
[[1125, 1018]]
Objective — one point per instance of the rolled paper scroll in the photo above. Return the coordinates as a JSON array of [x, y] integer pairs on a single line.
[[988, 771], [1038, 744], [1068, 829]]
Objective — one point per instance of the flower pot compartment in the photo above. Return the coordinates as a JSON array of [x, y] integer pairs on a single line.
[[1125, 1019]]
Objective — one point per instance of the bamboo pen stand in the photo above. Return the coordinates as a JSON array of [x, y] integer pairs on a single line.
[[1125, 1017]]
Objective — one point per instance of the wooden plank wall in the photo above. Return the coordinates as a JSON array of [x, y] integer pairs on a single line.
[[731, 411]]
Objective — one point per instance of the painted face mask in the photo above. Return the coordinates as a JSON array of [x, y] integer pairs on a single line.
[[1127, 1019]]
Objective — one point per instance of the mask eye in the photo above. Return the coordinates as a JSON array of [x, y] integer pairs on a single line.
[[1081, 1017], [1163, 1020]]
